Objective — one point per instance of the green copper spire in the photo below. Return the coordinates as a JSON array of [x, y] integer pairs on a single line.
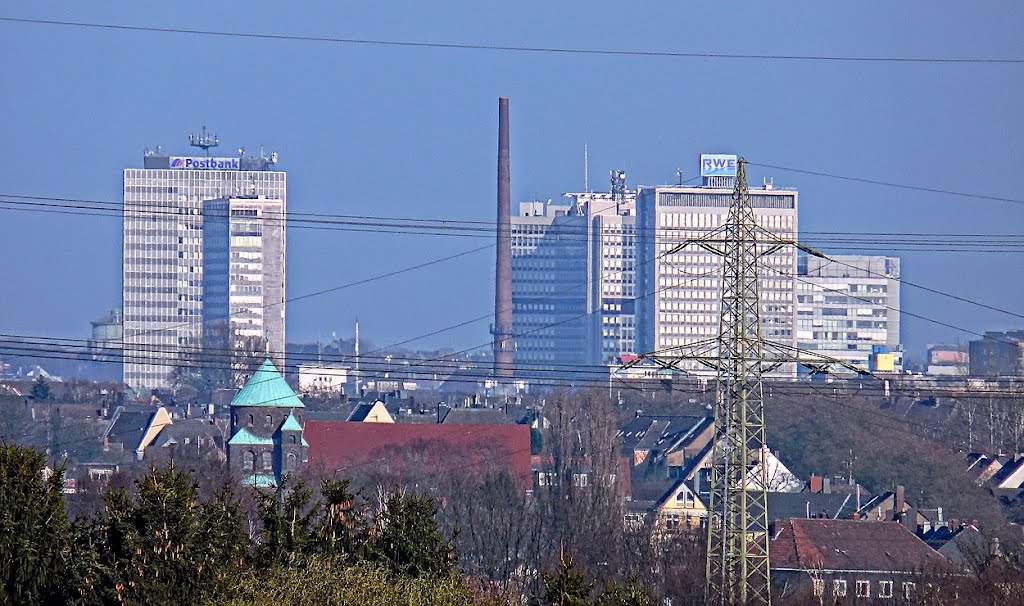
[[267, 387]]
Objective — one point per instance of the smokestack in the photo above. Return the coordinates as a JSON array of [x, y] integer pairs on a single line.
[[503, 345]]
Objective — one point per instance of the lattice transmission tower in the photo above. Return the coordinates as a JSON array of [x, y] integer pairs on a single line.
[[737, 556]]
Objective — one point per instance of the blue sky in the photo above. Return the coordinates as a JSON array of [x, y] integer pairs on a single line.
[[411, 132]]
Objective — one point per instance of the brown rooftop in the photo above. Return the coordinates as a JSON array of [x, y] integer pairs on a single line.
[[804, 544]]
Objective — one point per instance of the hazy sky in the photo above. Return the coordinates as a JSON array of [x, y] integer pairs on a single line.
[[411, 133]]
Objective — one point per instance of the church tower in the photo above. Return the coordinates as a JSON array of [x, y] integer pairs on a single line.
[[266, 430]]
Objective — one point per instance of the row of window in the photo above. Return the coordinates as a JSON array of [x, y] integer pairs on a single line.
[[863, 588], [267, 461]]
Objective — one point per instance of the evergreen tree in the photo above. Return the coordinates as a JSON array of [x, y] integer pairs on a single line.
[[567, 587], [163, 547], [40, 389], [408, 539], [287, 517], [33, 528], [342, 529]]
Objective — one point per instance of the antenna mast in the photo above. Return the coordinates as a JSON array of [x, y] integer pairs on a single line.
[[204, 140]]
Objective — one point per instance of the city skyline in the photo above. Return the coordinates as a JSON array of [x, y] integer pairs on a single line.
[[877, 128]]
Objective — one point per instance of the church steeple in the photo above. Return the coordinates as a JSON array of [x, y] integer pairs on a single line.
[[266, 429]]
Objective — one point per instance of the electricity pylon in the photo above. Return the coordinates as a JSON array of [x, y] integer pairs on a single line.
[[737, 557]]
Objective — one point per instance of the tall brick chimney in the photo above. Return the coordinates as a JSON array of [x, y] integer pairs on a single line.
[[503, 344]]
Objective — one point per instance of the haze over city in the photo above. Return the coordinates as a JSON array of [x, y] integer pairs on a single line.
[[408, 132], [484, 304]]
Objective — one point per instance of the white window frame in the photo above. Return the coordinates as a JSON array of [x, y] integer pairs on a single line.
[[885, 589], [863, 589], [818, 586], [839, 587]]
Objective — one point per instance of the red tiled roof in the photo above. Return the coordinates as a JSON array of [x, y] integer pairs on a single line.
[[437, 448], [852, 545]]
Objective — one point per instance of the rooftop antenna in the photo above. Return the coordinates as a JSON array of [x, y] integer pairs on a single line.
[[618, 187], [679, 177], [204, 140]]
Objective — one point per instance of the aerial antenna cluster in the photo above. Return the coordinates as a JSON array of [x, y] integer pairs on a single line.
[[204, 140]]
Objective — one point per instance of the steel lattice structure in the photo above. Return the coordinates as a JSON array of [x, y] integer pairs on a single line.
[[737, 561], [737, 558]]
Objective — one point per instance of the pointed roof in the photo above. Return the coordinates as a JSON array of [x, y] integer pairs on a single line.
[[267, 387], [243, 437], [291, 424]]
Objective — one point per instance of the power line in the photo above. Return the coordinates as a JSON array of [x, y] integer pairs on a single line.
[[518, 48], [487, 228], [931, 290], [931, 190], [569, 233]]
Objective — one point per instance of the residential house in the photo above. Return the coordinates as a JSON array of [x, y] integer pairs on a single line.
[[462, 415], [963, 544], [849, 561], [983, 466], [665, 441], [581, 472], [134, 429], [811, 505], [267, 440], [199, 436], [682, 502], [1010, 476], [892, 506], [370, 412], [679, 508]]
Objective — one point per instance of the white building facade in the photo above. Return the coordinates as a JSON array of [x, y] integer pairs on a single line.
[[162, 267], [848, 303], [679, 294]]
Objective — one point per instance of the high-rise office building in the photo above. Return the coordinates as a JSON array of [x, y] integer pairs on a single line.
[[163, 250], [573, 280], [847, 304], [611, 281], [244, 273], [549, 287], [679, 295]]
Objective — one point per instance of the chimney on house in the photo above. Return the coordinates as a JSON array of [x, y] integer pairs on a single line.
[[816, 484], [899, 503]]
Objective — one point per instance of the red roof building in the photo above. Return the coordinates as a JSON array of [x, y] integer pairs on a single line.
[[410, 449], [851, 558]]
